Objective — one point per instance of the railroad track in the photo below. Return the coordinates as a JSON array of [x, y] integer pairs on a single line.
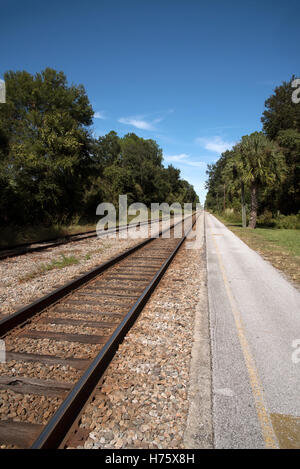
[[26, 248], [59, 347]]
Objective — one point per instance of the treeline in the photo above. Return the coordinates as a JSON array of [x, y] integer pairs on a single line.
[[262, 172], [52, 169]]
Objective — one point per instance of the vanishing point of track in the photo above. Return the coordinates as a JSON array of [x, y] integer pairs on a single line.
[[38, 246], [96, 311]]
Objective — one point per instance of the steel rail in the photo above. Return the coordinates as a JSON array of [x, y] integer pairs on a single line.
[[56, 431], [24, 314], [26, 248]]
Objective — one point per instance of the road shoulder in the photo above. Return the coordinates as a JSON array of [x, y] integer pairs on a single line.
[[199, 431]]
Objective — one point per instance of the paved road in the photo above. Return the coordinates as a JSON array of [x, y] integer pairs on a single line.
[[255, 321]]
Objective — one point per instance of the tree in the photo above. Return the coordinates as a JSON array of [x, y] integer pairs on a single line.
[[105, 150], [281, 113], [289, 195], [261, 163], [52, 169], [268, 162], [233, 175], [281, 121], [44, 123], [220, 182]]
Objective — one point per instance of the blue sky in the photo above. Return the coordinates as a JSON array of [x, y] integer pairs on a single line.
[[192, 75]]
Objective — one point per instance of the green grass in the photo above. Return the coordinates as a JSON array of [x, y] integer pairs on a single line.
[[59, 263], [64, 261], [288, 239]]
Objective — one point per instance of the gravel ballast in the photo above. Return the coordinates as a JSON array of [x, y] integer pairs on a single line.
[[146, 394], [149, 396], [24, 279]]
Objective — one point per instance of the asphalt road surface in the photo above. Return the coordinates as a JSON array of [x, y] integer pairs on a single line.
[[255, 337]]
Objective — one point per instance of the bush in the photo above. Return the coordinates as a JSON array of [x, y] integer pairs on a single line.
[[287, 222], [266, 219], [230, 216]]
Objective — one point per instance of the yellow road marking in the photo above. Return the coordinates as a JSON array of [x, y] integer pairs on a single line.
[[257, 390]]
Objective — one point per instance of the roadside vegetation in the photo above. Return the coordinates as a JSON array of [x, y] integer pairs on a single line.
[[54, 171], [257, 184], [260, 176]]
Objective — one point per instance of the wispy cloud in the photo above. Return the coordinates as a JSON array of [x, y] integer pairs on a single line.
[[198, 164], [215, 144], [99, 115], [183, 158], [143, 122], [180, 157], [137, 122]]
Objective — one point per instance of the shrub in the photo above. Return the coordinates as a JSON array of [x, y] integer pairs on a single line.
[[266, 219], [288, 222], [231, 216]]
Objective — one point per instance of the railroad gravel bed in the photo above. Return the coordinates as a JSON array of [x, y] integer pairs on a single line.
[[143, 401], [83, 317], [72, 329], [62, 373], [50, 347], [109, 308], [15, 407], [22, 279]]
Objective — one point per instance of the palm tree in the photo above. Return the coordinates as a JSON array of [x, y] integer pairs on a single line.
[[233, 178], [260, 163]]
